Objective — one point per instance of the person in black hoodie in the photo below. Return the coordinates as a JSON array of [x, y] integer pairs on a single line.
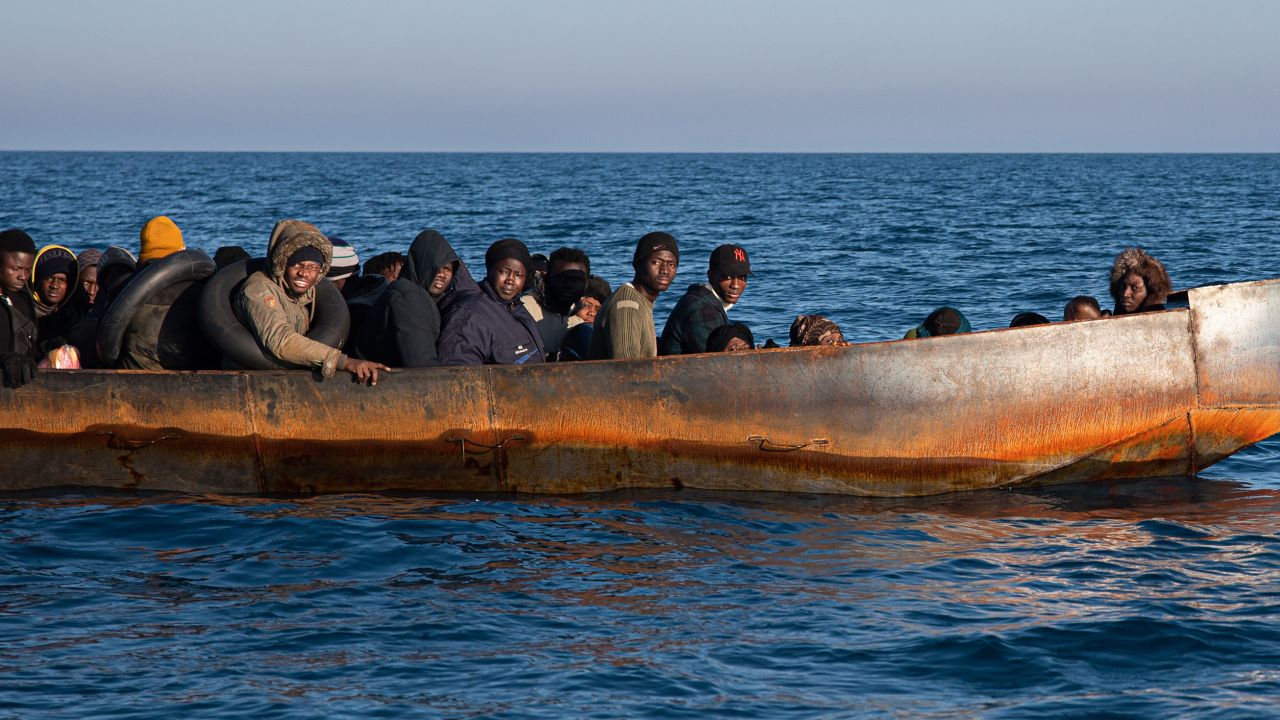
[[115, 268], [18, 329], [492, 327], [402, 327]]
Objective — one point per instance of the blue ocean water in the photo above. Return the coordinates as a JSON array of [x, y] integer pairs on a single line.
[[1143, 599]]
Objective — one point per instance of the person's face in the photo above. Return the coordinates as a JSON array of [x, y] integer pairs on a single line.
[[1082, 312], [15, 267], [392, 273], [1133, 292], [301, 277], [736, 344], [339, 283], [657, 271], [441, 281], [587, 309], [728, 288], [89, 282], [835, 337], [54, 288], [507, 278]]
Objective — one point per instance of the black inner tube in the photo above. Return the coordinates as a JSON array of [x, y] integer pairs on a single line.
[[181, 266], [236, 342]]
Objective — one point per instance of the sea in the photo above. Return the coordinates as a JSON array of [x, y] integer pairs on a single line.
[[1141, 599]]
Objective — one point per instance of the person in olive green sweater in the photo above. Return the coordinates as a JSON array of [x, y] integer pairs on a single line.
[[624, 326]]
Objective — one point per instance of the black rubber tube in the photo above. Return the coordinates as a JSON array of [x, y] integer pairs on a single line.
[[181, 266], [236, 342]]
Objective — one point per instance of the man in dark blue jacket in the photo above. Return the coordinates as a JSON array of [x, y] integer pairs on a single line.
[[402, 327], [705, 306], [492, 327]]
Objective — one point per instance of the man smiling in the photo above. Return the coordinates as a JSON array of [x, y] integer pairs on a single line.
[[276, 303], [705, 306], [624, 326]]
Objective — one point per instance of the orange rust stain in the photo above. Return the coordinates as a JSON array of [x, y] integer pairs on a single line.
[[1222, 431]]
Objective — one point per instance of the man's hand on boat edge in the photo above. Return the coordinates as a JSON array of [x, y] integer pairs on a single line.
[[364, 370]]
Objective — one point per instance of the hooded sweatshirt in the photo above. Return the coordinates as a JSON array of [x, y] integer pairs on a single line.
[[402, 327], [55, 320], [115, 264], [278, 318]]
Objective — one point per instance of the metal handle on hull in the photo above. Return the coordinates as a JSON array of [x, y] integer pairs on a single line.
[[764, 444], [483, 448]]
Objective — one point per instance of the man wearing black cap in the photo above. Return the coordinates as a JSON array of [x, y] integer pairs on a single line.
[[492, 327], [624, 326], [705, 306], [18, 329]]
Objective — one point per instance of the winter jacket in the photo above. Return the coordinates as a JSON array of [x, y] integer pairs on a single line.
[[552, 326], [19, 332], [403, 326], [84, 334], [691, 321], [278, 319], [361, 292], [484, 329], [55, 328], [624, 327]]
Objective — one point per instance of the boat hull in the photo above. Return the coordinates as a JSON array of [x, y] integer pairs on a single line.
[[1157, 394]]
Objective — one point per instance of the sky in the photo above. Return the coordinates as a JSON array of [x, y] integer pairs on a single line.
[[652, 76]]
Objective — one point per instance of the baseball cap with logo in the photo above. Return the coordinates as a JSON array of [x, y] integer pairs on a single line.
[[731, 261]]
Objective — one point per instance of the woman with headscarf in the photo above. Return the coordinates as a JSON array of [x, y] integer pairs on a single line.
[[492, 327], [1139, 282], [277, 302], [815, 330]]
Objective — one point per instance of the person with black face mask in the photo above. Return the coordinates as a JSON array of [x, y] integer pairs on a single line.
[[566, 283]]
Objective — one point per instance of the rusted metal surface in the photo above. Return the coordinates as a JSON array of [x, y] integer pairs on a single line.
[[1156, 394]]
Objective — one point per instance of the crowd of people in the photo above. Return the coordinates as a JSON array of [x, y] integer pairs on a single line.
[[417, 309]]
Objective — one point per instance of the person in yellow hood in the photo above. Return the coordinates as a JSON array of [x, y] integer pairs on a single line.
[[53, 276]]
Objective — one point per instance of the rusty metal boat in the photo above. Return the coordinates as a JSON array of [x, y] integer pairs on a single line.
[[1157, 394]]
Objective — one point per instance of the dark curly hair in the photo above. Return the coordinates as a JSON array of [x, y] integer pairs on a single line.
[[1152, 272]]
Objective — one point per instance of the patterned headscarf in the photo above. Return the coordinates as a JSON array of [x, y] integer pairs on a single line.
[[812, 330]]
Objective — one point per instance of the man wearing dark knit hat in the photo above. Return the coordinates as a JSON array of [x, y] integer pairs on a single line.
[[492, 327], [277, 303], [624, 326], [18, 329], [705, 306]]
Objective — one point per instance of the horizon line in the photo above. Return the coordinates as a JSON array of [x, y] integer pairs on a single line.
[[652, 152]]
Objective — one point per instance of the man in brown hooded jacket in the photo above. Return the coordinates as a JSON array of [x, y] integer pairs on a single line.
[[277, 303]]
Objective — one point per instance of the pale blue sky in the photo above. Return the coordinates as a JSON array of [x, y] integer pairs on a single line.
[[658, 75]]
